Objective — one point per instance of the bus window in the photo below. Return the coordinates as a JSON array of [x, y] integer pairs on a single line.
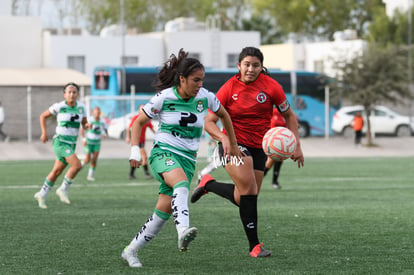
[[101, 80], [143, 82], [284, 80]]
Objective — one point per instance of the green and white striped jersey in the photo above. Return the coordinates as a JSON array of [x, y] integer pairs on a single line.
[[69, 119], [94, 135], [181, 121]]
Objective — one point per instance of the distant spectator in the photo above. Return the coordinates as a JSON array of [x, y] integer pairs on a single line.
[[6, 138], [358, 124]]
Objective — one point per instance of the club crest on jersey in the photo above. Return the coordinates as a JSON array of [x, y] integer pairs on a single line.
[[80, 110], [154, 111], [261, 97], [200, 106], [284, 106], [169, 162]]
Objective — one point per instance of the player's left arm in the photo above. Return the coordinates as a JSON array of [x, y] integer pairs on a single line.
[[292, 124]]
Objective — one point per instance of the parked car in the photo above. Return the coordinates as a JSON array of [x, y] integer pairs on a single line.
[[383, 121], [118, 126]]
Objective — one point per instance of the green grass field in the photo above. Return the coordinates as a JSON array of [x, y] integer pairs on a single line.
[[334, 216]]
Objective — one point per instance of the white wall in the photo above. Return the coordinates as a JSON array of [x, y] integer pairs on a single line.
[[280, 56], [213, 47], [102, 50], [21, 43], [330, 52]]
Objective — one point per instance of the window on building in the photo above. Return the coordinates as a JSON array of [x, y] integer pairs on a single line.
[[318, 66], [232, 60], [130, 60], [76, 62], [300, 65]]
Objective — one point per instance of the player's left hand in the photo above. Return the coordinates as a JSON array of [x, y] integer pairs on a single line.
[[298, 157]]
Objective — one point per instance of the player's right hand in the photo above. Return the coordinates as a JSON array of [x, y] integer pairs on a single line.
[[44, 138], [135, 156]]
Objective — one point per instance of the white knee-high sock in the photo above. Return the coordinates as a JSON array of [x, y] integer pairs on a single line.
[[149, 230], [179, 206], [66, 183], [47, 186]]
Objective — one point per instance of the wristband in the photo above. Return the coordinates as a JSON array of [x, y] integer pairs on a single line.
[[135, 153]]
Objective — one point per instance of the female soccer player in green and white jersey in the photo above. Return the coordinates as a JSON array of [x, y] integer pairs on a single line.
[[92, 141], [181, 106], [70, 115]]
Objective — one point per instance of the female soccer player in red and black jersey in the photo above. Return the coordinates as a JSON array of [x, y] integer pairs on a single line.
[[249, 97]]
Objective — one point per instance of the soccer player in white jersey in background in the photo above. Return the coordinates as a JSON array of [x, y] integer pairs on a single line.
[[70, 115], [181, 105], [92, 141]]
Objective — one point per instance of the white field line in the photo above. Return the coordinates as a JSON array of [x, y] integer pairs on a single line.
[[82, 185]]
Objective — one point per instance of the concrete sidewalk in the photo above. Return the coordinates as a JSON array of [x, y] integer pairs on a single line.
[[312, 147]]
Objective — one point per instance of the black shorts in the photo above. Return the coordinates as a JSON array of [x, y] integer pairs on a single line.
[[258, 155]]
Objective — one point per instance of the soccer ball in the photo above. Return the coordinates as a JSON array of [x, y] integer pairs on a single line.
[[279, 143]]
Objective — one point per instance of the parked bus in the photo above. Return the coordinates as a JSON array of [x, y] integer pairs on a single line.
[[305, 92]]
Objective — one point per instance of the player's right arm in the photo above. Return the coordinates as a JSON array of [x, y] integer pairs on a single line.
[[43, 117], [135, 156]]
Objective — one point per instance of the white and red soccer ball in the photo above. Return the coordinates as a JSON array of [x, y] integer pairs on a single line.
[[279, 143]]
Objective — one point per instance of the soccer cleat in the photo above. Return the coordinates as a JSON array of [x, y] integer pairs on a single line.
[[186, 237], [40, 200], [276, 186], [90, 178], [200, 190], [258, 252], [63, 195], [148, 176], [131, 258], [132, 177]]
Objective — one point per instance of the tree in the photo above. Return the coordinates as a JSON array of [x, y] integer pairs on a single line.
[[269, 33], [319, 19], [375, 76], [148, 16], [386, 30]]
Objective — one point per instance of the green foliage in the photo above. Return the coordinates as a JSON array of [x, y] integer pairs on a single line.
[[334, 216], [385, 30], [319, 19], [378, 75], [148, 16]]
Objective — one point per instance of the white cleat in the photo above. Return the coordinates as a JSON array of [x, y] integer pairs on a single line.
[[186, 237], [90, 178], [40, 200], [63, 195], [131, 258]]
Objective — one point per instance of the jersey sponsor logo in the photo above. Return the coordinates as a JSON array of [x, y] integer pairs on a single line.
[[235, 96], [261, 97], [200, 106], [171, 106], [284, 106]]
